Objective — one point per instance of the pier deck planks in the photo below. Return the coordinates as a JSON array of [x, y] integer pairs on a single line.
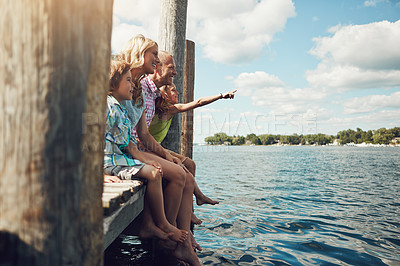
[[122, 203]]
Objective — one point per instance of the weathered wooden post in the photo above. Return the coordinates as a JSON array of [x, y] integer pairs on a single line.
[[188, 89], [172, 35], [54, 58]]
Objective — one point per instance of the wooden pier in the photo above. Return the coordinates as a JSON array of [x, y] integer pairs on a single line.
[[122, 203], [56, 58]]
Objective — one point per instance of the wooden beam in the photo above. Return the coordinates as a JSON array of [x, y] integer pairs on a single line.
[[55, 62], [172, 36], [123, 216], [188, 91]]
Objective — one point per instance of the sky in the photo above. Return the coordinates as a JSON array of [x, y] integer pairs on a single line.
[[300, 66]]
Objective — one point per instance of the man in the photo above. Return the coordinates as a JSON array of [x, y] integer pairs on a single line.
[[163, 75]]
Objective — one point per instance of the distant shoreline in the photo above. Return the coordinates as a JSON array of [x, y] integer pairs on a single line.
[[304, 145]]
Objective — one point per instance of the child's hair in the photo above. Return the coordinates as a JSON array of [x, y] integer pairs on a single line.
[[118, 68], [162, 103], [135, 49]]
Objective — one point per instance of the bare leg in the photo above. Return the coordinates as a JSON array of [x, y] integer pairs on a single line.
[[195, 220], [195, 245], [154, 198], [149, 229], [185, 182], [184, 251], [176, 177]]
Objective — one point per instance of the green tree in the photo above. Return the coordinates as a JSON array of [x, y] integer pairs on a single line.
[[253, 139], [382, 136], [239, 140], [347, 136], [267, 139], [367, 136], [395, 131]]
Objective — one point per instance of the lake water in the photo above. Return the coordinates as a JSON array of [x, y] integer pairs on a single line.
[[292, 206]]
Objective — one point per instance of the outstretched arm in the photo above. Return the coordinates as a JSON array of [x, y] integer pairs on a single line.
[[184, 107]]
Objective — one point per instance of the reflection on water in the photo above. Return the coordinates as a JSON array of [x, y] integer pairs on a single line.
[[299, 205]]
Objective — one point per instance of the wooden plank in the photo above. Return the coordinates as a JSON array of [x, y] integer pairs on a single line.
[[111, 202], [116, 193], [124, 192], [115, 223], [125, 184]]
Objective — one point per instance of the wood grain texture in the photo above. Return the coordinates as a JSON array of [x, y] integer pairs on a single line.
[[55, 59], [123, 216], [172, 36], [188, 96]]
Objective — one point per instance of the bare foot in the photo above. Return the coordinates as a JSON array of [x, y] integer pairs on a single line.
[[195, 245], [150, 230], [175, 234], [203, 199], [168, 244], [185, 252], [195, 220]]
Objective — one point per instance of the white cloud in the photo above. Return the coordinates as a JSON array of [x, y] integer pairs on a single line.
[[346, 77], [122, 33], [373, 3], [132, 17], [246, 83], [211, 110], [370, 121], [269, 91], [384, 118], [371, 103], [236, 33], [229, 33], [371, 46], [370, 3], [139, 12], [358, 56]]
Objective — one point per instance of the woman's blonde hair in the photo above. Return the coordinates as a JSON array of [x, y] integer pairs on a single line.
[[134, 55], [135, 50]]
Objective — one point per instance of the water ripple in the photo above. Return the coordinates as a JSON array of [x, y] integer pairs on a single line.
[[299, 206]]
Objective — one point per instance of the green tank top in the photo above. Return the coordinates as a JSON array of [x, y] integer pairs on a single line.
[[159, 128]]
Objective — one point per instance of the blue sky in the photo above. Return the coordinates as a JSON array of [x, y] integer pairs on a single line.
[[305, 67]]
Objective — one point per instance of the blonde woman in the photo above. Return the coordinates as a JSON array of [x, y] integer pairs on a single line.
[[142, 54]]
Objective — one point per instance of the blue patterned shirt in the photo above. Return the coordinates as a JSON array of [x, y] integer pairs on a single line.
[[117, 135]]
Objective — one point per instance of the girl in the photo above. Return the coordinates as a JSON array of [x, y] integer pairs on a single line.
[[167, 106]]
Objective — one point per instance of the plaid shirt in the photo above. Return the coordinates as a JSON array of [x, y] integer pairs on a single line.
[[151, 92], [117, 135]]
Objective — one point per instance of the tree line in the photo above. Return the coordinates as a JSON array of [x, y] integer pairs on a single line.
[[379, 136]]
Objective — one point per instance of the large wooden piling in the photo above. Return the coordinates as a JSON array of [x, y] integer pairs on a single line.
[[188, 89], [55, 62], [172, 36]]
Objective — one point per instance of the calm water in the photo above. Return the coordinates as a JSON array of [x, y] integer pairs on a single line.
[[293, 206]]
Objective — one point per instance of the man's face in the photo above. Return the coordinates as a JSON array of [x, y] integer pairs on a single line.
[[167, 71]]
